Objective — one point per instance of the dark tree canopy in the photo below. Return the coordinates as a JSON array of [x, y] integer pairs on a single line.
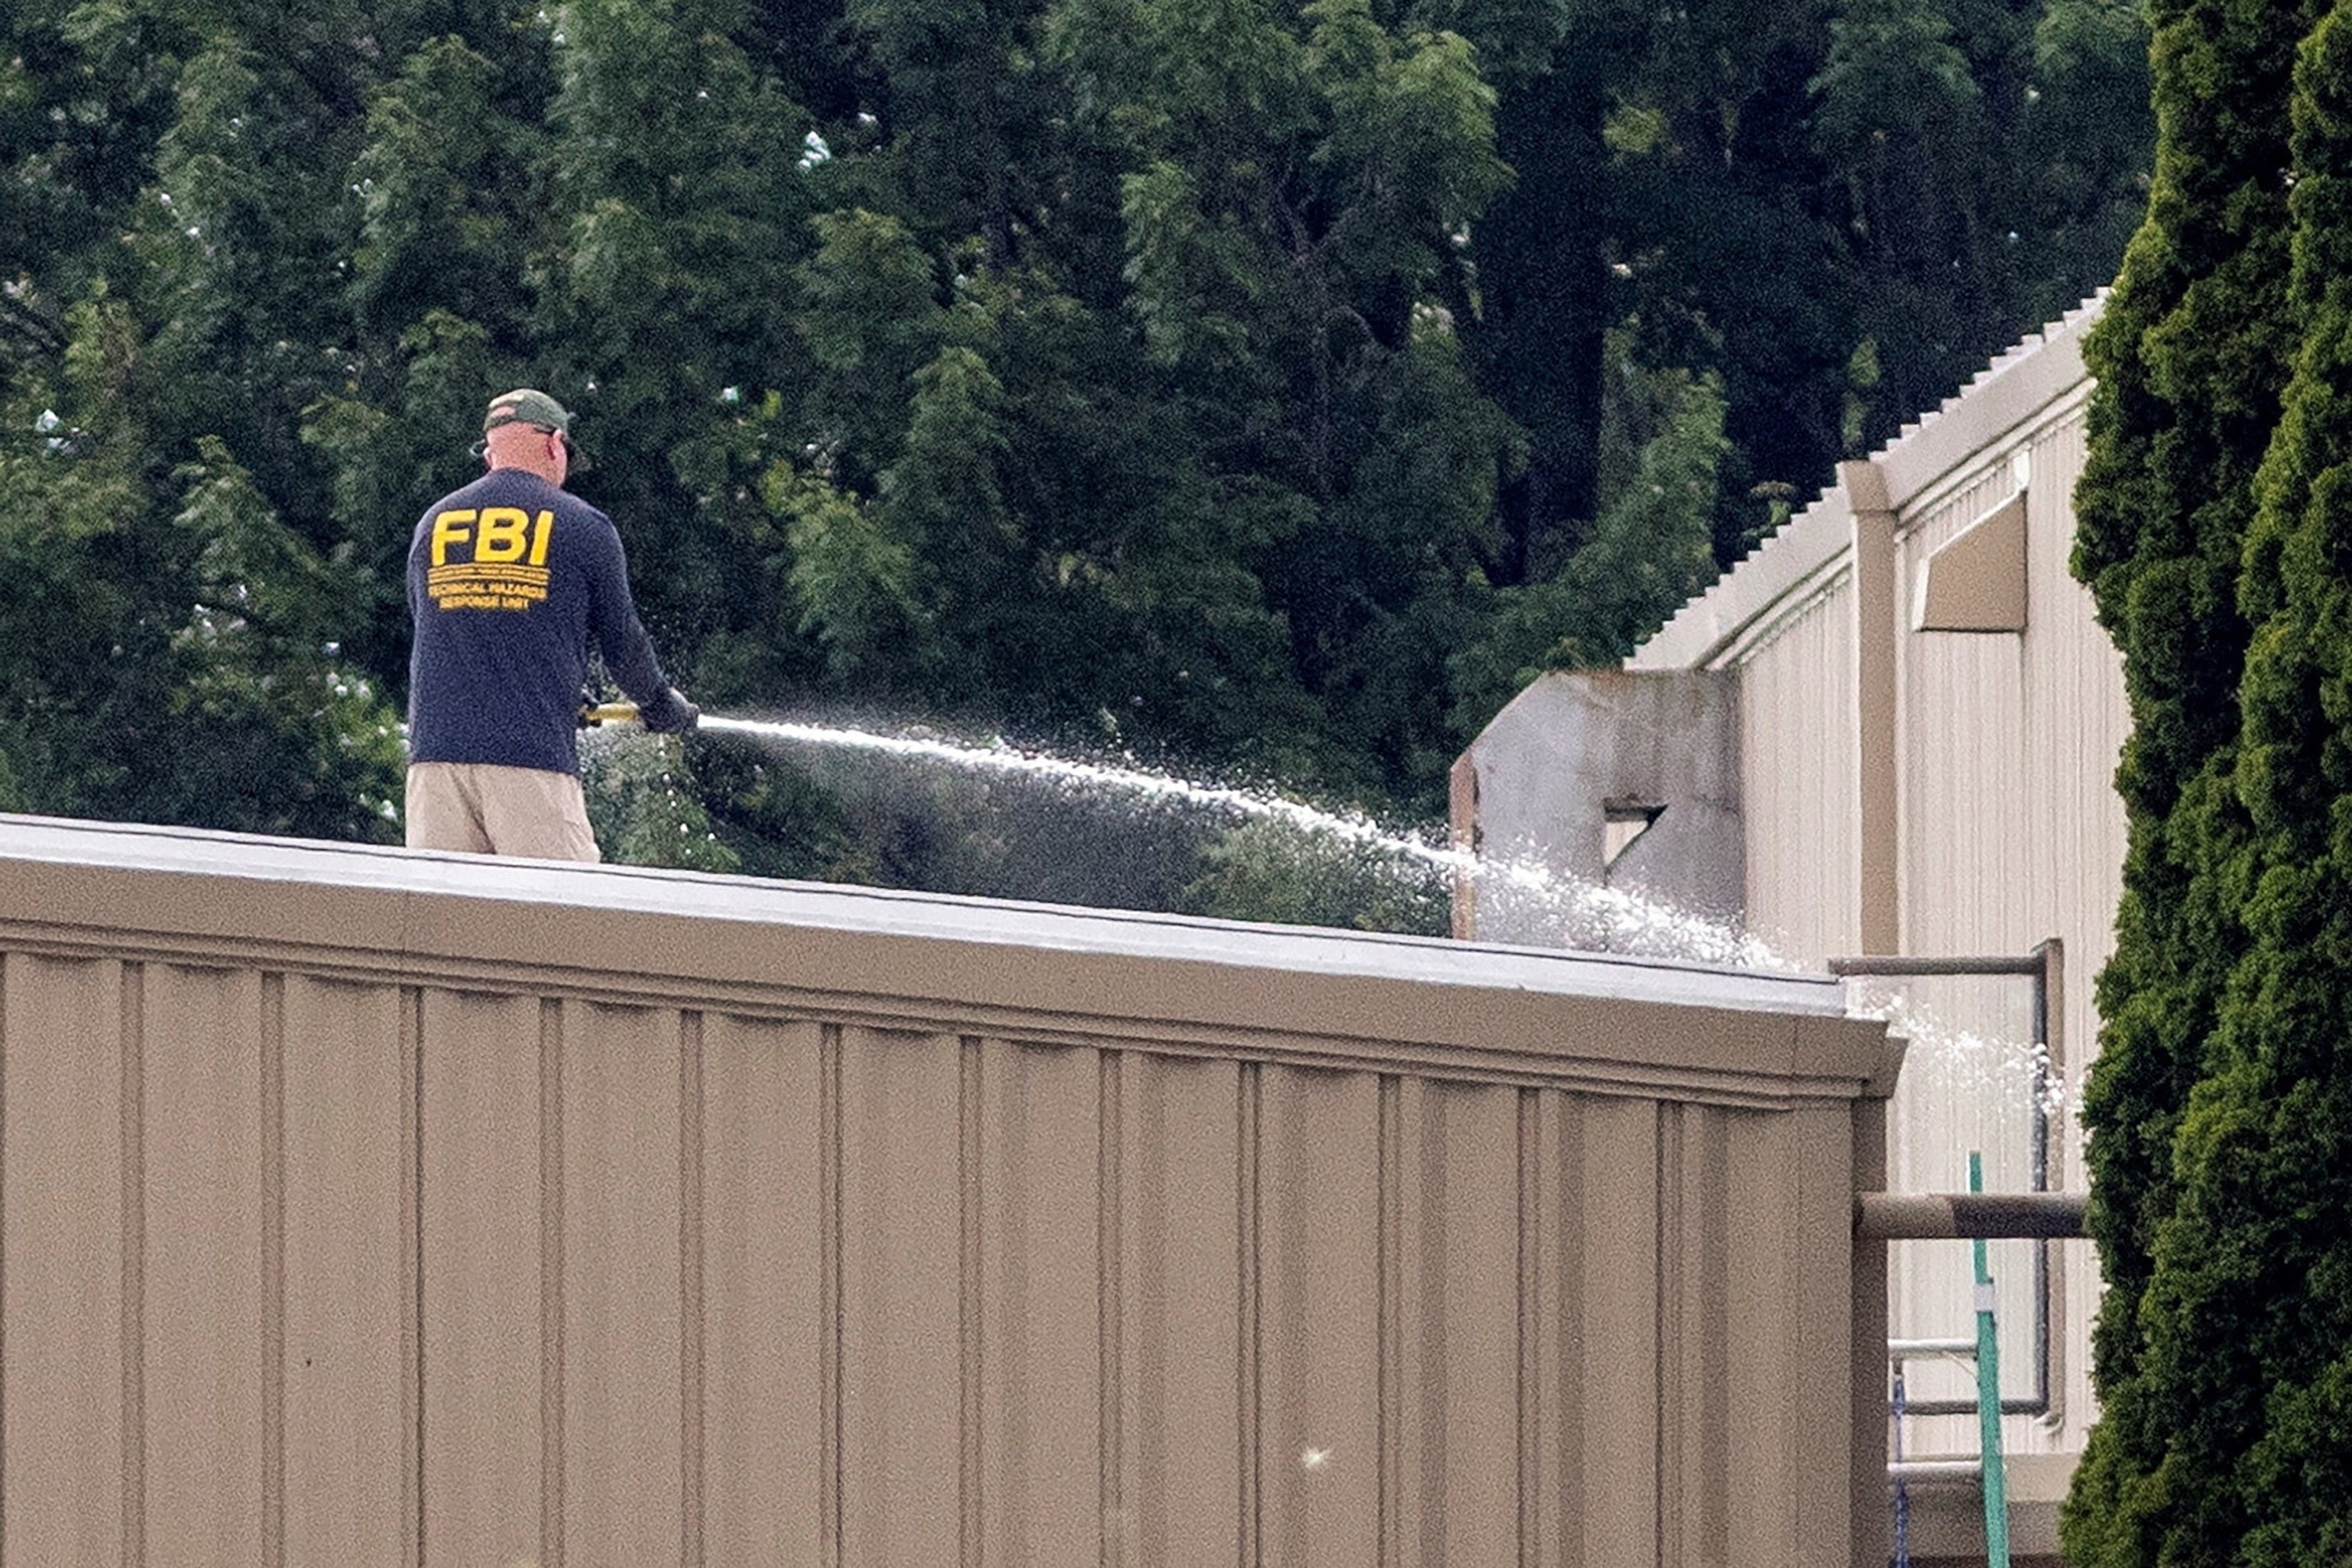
[[1272, 387]]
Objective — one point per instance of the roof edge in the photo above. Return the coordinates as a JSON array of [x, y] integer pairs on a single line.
[[2017, 384]]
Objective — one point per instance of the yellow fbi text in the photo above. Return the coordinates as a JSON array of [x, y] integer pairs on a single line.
[[493, 558]]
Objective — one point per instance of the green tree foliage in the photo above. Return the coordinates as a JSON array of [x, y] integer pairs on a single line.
[[1271, 870], [169, 654], [1648, 550], [2203, 530], [644, 802], [1944, 172], [1260, 383]]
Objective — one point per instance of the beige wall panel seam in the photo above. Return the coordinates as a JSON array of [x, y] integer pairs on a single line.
[[552, 1303], [1414, 1443], [1671, 1374], [10, 965], [1564, 1330], [1250, 1299], [832, 1201], [273, 1269], [1528, 1427], [1705, 1351], [1110, 1321], [411, 1222], [972, 1348], [134, 1283], [693, 1307], [1389, 1440]]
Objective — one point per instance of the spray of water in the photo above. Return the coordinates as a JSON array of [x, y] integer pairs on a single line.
[[1965, 1064], [1551, 907], [1568, 911]]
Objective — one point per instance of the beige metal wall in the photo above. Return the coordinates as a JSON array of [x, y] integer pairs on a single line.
[[2007, 828], [362, 1207], [2011, 835], [1798, 772], [2012, 832]]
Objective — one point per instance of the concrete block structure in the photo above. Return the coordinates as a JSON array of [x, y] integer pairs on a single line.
[[360, 1207], [1628, 780], [1925, 721]]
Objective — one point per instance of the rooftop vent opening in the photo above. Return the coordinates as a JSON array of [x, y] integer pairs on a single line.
[[1623, 823]]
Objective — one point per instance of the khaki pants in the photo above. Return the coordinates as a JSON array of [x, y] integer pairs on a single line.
[[481, 808]]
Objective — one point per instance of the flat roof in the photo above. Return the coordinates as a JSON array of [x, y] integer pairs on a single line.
[[737, 900]]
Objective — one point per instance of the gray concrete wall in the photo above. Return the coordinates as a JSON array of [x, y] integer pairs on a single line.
[[1541, 783]]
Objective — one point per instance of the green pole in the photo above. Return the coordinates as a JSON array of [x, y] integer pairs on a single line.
[[1996, 1481]]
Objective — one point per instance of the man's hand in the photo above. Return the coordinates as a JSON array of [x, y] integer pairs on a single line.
[[673, 715]]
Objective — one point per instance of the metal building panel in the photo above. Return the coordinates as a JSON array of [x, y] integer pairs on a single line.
[[1798, 765], [1042, 1130], [490, 1266], [1319, 1347], [1617, 1340], [70, 1032], [1188, 1417], [1967, 882], [1453, 1151], [201, 1185], [2079, 718], [494, 1259], [351, 1344], [1695, 1266], [623, 1283], [908, 1352], [1965, 874], [1551, 1456], [1753, 1193], [768, 1326]]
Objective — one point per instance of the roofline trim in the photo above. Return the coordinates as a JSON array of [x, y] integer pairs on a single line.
[[2006, 396]]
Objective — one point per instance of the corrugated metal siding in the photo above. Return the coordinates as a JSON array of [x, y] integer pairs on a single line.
[[298, 1265], [1797, 764], [2012, 835], [1964, 800], [2078, 720]]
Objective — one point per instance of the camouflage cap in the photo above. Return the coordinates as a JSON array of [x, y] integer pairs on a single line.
[[527, 405]]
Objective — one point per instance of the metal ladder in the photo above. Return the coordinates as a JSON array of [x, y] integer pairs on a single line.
[[1985, 1351]]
